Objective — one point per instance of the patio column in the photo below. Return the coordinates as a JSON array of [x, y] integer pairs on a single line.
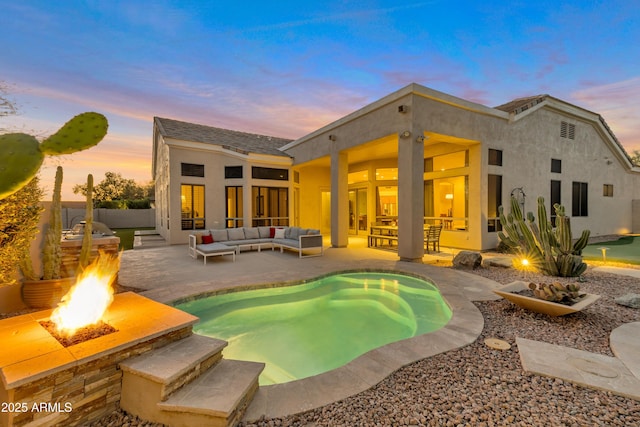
[[339, 199], [410, 197]]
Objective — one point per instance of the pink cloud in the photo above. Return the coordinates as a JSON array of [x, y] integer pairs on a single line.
[[619, 104]]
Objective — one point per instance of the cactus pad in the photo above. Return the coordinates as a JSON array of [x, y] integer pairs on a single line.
[[83, 131], [21, 158]]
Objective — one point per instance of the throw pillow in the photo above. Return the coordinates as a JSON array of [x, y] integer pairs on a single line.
[[279, 233], [272, 232], [207, 238]]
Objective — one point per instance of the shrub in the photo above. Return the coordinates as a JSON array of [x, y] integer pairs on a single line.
[[19, 217]]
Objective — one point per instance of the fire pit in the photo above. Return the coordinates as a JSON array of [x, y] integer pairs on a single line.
[[46, 383]]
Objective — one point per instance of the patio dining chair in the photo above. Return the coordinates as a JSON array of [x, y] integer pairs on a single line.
[[432, 237]]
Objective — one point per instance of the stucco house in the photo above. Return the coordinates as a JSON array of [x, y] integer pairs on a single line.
[[415, 157]]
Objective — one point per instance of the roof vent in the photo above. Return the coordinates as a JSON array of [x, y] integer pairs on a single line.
[[567, 130]]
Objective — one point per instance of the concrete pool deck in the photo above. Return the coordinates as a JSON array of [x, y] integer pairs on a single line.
[[167, 274]]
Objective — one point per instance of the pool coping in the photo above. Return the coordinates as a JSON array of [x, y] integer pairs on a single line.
[[369, 369]]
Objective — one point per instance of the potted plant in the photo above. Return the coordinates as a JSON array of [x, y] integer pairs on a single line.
[[56, 282], [553, 299]]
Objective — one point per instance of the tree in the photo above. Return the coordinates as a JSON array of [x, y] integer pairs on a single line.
[[635, 157], [8, 106], [116, 188]]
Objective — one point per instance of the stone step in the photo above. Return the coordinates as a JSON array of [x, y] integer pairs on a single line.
[[218, 397], [153, 376], [176, 364]]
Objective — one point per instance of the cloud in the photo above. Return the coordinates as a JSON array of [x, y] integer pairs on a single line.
[[619, 104]]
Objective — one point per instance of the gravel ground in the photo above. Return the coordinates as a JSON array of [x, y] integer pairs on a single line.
[[478, 386]]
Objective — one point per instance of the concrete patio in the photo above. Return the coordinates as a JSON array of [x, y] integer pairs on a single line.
[[167, 274]]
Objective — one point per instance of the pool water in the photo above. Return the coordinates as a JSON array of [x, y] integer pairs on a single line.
[[303, 330]]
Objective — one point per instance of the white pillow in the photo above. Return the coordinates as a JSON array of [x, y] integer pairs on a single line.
[[279, 233]]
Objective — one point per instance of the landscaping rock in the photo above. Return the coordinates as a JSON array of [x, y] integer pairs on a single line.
[[467, 259], [502, 262], [629, 300]]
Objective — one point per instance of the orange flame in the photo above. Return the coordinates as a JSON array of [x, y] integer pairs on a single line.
[[89, 298]]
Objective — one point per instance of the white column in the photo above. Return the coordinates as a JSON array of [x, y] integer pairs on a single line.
[[339, 200], [410, 197]]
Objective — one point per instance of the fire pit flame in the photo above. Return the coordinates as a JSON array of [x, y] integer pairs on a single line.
[[86, 302]]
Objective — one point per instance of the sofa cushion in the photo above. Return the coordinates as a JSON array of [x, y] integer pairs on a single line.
[[206, 239], [251, 233], [199, 237], [279, 233], [303, 232], [264, 232], [236, 233], [213, 248], [287, 242], [313, 231], [220, 235]]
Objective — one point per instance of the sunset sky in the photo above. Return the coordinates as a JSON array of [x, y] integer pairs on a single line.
[[285, 68]]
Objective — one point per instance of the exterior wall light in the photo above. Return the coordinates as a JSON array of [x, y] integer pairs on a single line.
[[332, 137], [405, 134], [403, 109]]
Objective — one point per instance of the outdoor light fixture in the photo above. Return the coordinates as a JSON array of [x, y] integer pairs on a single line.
[[422, 138], [405, 134], [403, 109], [332, 137]]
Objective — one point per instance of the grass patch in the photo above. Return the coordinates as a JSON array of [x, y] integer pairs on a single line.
[[126, 236], [624, 250]]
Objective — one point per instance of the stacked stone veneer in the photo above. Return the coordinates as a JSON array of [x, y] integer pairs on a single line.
[[89, 388], [71, 252]]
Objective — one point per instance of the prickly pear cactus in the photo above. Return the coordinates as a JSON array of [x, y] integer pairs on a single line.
[[20, 160], [22, 154], [81, 132]]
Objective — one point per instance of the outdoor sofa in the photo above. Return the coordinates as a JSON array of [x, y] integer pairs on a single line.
[[230, 241]]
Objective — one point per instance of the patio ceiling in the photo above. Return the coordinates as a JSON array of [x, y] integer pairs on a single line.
[[387, 148]]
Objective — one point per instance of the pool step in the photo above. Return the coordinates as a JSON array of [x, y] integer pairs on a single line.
[[218, 398], [188, 383]]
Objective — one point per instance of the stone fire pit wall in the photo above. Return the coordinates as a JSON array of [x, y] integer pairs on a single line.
[[46, 384], [71, 252]]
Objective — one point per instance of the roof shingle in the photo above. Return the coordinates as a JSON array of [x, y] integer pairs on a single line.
[[230, 139]]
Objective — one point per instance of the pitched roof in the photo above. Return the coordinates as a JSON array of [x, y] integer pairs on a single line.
[[230, 139], [521, 104]]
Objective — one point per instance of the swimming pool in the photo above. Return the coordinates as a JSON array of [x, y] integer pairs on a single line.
[[303, 330]]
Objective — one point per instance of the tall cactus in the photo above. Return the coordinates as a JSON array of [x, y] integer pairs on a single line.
[[52, 252], [22, 154], [550, 250], [87, 238]]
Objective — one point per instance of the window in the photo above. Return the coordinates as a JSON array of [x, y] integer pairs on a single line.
[[360, 176], [567, 130], [270, 206], [270, 173], [446, 202], [234, 207], [579, 201], [192, 197], [495, 157], [556, 165], [190, 169], [607, 190], [555, 197], [495, 200], [459, 159], [233, 172]]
